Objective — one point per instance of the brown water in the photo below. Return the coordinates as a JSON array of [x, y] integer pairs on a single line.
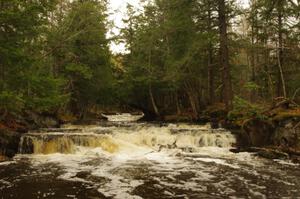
[[142, 161]]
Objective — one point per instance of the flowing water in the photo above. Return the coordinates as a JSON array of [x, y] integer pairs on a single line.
[[140, 160]]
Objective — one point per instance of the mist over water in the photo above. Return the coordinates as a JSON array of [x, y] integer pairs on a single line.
[[141, 160]]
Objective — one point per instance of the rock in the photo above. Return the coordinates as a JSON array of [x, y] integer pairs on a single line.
[[295, 159], [50, 122], [41, 120], [287, 137], [3, 158], [287, 133], [9, 142], [272, 154], [258, 132], [268, 153]]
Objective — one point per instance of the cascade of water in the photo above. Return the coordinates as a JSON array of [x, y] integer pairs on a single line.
[[115, 138]]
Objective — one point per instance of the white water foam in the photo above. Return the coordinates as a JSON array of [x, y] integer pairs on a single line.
[[184, 157], [5, 163]]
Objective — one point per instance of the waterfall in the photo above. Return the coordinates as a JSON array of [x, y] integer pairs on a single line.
[[55, 143], [115, 138]]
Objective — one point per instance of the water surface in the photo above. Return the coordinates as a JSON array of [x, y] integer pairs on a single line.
[[138, 160]]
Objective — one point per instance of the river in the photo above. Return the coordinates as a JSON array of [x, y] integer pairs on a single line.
[[142, 160]]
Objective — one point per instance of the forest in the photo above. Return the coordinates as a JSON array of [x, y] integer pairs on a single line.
[[175, 99], [182, 57]]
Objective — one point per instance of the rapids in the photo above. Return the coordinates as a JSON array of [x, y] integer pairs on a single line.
[[141, 160]]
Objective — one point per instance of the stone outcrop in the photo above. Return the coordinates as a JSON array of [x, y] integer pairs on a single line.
[[278, 135], [13, 126], [9, 142], [257, 132], [287, 134]]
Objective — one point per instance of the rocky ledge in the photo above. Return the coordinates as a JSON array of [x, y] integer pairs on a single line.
[[9, 142], [276, 136], [12, 127]]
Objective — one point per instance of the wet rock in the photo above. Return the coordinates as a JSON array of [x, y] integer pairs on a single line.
[[271, 153], [237, 150], [295, 159], [215, 124], [258, 132], [3, 158], [9, 142], [288, 133]]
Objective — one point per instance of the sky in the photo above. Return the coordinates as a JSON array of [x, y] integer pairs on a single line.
[[117, 11]]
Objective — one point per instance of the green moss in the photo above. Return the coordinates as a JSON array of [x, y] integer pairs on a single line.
[[287, 114]]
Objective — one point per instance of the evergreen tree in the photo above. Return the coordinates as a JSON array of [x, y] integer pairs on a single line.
[[81, 55], [25, 81]]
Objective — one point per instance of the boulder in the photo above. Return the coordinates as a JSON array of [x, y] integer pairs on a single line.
[[258, 132], [9, 142], [287, 134]]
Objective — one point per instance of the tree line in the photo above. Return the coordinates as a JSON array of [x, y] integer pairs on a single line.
[[186, 55], [54, 56], [181, 56]]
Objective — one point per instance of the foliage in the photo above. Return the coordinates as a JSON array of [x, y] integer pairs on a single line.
[[11, 101], [251, 86], [24, 81], [55, 56], [243, 109], [81, 54]]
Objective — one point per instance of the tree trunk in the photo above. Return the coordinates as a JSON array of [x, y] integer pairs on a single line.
[[224, 56], [252, 63], [177, 104], [153, 101], [281, 88], [193, 104], [211, 86], [270, 85], [193, 97]]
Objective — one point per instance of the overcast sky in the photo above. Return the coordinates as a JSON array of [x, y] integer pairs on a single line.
[[117, 10]]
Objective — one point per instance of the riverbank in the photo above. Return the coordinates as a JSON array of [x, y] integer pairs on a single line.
[[273, 134]]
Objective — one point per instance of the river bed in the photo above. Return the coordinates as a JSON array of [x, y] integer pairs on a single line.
[[141, 160]]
